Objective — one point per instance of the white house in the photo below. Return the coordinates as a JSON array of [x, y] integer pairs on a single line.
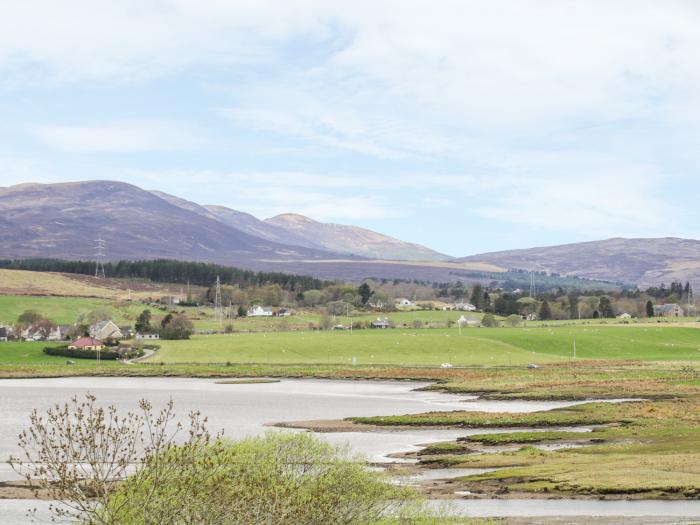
[[402, 301], [465, 307], [105, 330], [259, 311], [35, 333], [624, 315]]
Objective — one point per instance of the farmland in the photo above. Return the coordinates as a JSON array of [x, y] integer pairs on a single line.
[[476, 346]]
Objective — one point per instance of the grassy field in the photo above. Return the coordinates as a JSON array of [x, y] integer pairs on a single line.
[[65, 310], [20, 282], [476, 346]]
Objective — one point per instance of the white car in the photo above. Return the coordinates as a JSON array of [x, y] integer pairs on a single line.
[[446, 365]]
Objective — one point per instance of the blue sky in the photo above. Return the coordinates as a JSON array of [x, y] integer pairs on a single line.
[[466, 126]]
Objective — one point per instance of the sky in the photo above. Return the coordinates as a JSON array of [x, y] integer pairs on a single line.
[[467, 126]]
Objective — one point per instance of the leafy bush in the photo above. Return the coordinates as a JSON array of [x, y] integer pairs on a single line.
[[75, 452], [279, 479]]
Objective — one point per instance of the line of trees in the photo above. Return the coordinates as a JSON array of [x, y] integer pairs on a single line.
[[166, 270]]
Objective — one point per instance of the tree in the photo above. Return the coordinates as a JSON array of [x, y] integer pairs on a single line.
[[596, 314], [178, 327], [44, 327], [312, 297], [29, 318], [489, 321], [166, 320], [477, 297], [513, 320], [187, 476], [650, 309], [545, 312], [338, 308], [143, 322], [365, 292], [605, 308]]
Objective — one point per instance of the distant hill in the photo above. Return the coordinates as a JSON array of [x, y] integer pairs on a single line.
[[298, 230], [353, 240], [63, 220], [645, 262]]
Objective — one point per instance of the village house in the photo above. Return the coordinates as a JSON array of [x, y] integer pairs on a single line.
[[381, 323], [86, 343], [36, 333], [465, 307], [402, 301], [259, 311], [624, 315], [668, 310], [105, 330]]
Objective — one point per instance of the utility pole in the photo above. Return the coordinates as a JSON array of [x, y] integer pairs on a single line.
[[100, 254], [217, 303], [691, 300]]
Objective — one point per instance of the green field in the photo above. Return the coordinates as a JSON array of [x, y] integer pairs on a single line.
[[476, 346], [65, 310]]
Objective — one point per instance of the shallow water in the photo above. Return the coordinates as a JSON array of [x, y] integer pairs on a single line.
[[244, 409]]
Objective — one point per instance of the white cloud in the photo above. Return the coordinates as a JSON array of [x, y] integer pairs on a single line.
[[556, 114], [127, 136]]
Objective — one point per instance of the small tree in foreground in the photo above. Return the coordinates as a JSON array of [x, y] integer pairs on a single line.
[[138, 469], [79, 453]]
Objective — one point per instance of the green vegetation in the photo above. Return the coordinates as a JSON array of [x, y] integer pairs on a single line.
[[529, 437], [593, 414], [503, 346], [65, 310]]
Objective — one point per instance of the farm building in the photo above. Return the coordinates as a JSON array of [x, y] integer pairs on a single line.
[[465, 307], [105, 330], [259, 311], [624, 315], [381, 323], [402, 301], [668, 310], [86, 343]]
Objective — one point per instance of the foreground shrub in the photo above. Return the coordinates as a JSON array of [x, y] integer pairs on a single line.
[[279, 479], [140, 469]]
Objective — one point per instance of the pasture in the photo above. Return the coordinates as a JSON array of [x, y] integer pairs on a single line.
[[65, 310], [476, 346]]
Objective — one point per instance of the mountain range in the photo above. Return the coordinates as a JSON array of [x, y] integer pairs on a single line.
[[63, 221]]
